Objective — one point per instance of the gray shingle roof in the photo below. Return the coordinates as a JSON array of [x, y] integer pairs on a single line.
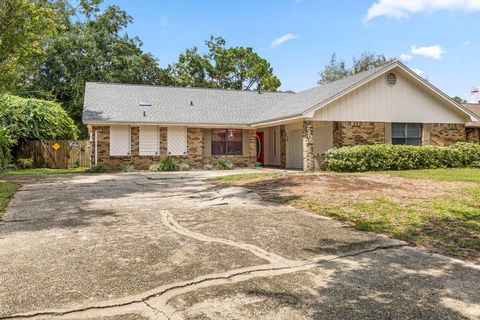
[[121, 103]]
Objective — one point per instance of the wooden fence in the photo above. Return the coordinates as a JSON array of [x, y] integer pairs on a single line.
[[57, 154]]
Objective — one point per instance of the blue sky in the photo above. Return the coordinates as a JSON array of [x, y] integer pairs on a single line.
[[440, 39]]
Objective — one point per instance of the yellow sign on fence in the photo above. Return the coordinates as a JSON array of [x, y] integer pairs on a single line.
[[56, 146]]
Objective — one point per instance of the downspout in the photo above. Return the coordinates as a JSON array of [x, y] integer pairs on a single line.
[[96, 144]]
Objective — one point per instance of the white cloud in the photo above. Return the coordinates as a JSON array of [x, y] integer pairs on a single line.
[[418, 71], [467, 43], [406, 57], [282, 39], [434, 52], [403, 8]]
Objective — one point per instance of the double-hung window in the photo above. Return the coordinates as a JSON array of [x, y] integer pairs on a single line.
[[407, 133], [226, 142]]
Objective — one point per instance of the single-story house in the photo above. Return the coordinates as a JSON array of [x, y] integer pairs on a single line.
[[140, 124]]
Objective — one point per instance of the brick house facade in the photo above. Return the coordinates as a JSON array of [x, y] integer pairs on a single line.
[[139, 125], [195, 156]]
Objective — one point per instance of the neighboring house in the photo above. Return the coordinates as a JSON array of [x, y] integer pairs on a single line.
[[138, 124]]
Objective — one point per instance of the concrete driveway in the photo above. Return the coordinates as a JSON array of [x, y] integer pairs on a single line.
[[169, 246]]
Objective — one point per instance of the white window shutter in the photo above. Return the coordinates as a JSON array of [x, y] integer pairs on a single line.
[[149, 141], [120, 140], [177, 141]]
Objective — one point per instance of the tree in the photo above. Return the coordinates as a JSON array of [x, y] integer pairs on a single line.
[[25, 28], [24, 119], [236, 68], [459, 100], [92, 47], [337, 70]]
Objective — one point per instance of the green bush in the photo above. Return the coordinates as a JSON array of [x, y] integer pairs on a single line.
[[182, 166], [128, 168], [23, 119], [381, 157], [167, 164], [97, 168], [208, 166], [25, 163], [222, 165]]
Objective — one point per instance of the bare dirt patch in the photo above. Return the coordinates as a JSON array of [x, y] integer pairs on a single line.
[[345, 188]]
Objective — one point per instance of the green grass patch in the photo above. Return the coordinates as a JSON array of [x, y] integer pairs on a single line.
[[452, 175], [244, 176], [38, 171], [449, 225], [7, 190]]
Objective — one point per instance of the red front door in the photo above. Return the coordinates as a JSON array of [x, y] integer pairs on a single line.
[[260, 147]]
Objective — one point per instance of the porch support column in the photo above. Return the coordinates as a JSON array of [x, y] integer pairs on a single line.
[[283, 147], [308, 155]]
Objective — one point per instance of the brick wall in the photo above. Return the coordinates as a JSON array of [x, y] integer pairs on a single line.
[[355, 133], [445, 134], [195, 150]]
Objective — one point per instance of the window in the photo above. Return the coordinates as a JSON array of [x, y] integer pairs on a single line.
[[119, 140], [226, 142], [407, 133]]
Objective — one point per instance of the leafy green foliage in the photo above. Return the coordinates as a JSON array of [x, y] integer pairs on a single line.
[[93, 47], [25, 163], [166, 164], [237, 68], [222, 165], [100, 167], [182, 166], [337, 70], [128, 168], [25, 27], [394, 157], [459, 100], [32, 119]]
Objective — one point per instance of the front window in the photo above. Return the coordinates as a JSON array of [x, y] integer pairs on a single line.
[[226, 142], [407, 133]]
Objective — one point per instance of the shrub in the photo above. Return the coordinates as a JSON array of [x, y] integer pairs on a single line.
[[97, 168], [128, 168], [208, 166], [23, 119], [167, 164], [25, 163], [395, 157], [222, 165], [182, 166]]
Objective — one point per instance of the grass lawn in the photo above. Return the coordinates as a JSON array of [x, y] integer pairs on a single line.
[[447, 223], [37, 171], [7, 190], [454, 174]]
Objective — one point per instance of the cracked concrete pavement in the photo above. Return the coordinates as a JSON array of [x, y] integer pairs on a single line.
[[170, 246]]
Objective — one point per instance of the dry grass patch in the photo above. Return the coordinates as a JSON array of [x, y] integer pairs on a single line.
[[441, 216]]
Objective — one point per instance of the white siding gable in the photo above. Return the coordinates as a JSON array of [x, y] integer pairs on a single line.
[[406, 101], [149, 141], [177, 141], [120, 140]]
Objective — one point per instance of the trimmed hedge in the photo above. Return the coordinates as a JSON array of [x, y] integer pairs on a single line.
[[380, 157]]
